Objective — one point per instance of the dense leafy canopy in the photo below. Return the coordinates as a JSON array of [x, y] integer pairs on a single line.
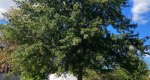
[[56, 36]]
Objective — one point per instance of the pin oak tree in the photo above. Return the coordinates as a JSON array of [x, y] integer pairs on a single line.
[[57, 36]]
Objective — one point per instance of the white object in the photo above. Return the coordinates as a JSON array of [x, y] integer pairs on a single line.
[[62, 77]]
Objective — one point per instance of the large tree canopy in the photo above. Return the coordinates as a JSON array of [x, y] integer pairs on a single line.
[[56, 36]]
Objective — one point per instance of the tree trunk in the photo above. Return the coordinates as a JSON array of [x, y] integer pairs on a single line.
[[80, 73]]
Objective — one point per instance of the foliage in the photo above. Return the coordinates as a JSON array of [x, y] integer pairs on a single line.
[[56, 36], [5, 57], [141, 73]]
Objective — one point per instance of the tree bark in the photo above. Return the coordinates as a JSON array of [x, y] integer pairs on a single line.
[[80, 74]]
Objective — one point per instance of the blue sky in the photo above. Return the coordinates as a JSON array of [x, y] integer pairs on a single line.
[[139, 11]]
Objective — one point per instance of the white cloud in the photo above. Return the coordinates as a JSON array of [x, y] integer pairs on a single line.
[[4, 6], [147, 56], [140, 8]]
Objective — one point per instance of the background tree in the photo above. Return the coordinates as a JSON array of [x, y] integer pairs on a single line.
[[56, 36], [5, 54]]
